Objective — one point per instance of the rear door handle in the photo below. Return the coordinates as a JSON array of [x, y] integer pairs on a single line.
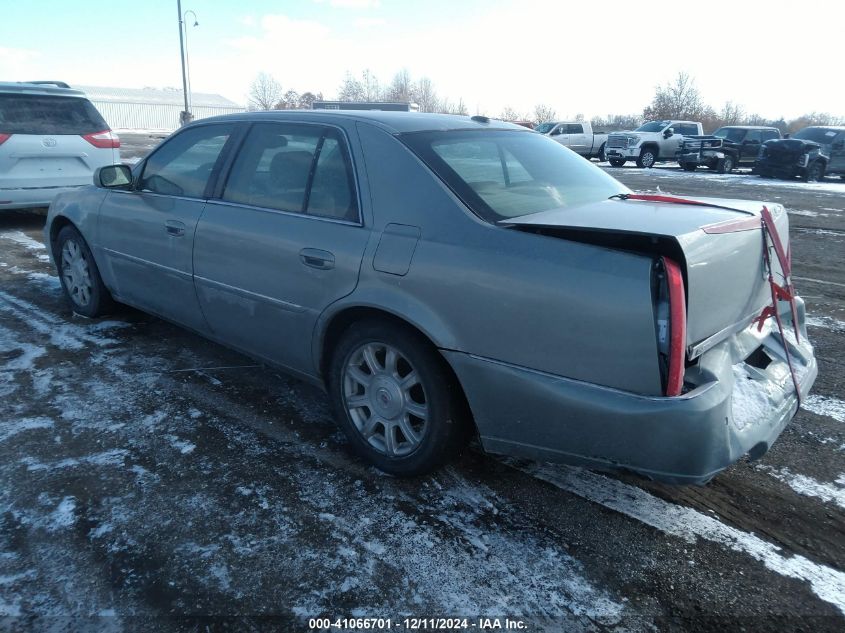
[[175, 228], [315, 258]]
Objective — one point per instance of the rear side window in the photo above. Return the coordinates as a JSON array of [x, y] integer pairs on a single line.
[[294, 168], [41, 114], [505, 174], [183, 165], [768, 135]]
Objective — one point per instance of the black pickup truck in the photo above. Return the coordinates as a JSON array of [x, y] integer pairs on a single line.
[[728, 147], [811, 153]]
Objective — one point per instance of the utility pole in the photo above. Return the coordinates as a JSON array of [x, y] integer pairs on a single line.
[[185, 117]]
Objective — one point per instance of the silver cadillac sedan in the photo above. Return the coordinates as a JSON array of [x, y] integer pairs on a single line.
[[443, 277]]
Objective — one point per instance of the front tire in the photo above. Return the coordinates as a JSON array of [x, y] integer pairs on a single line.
[[814, 172], [726, 165], [395, 398], [81, 282], [617, 162], [647, 158]]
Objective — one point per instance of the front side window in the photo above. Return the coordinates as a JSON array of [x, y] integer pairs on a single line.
[[686, 129], [732, 134], [574, 128], [506, 174], [183, 164], [544, 128], [753, 136], [294, 168], [768, 135]]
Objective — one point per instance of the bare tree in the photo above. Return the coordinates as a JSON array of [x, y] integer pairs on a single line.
[[265, 92], [678, 99], [731, 114], [370, 86], [400, 88], [543, 113], [616, 122], [509, 114], [447, 107], [351, 89], [424, 95]]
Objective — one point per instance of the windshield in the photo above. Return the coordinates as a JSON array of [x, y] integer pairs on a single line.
[[817, 134], [732, 134], [506, 174], [653, 126], [544, 128]]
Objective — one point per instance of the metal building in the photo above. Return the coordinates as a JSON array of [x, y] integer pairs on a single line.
[[151, 108], [394, 106]]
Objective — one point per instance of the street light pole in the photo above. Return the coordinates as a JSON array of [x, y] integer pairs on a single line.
[[185, 117]]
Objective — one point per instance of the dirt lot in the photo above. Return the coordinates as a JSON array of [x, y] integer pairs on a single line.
[[149, 479]]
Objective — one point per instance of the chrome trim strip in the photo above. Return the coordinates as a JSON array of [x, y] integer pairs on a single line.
[[694, 351], [296, 214]]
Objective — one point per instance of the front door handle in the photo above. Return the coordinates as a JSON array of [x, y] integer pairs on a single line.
[[175, 228], [315, 258]]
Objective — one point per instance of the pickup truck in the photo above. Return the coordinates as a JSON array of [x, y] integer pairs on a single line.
[[652, 142], [577, 136], [811, 154], [728, 147]]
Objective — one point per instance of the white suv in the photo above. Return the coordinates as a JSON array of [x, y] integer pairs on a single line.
[[51, 140]]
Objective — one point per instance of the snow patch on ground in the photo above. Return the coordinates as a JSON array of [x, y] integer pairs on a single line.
[[825, 405], [21, 238], [14, 427], [809, 487], [689, 524], [826, 322]]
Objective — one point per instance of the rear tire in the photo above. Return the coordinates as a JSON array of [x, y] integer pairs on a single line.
[[602, 154], [617, 162], [647, 158], [81, 282], [396, 399]]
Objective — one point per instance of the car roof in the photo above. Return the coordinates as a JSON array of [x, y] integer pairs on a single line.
[[394, 122], [748, 127], [826, 127], [43, 88]]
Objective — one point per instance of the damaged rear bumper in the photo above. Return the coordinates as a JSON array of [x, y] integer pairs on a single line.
[[741, 401]]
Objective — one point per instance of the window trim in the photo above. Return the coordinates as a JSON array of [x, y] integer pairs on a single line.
[[210, 185], [226, 172]]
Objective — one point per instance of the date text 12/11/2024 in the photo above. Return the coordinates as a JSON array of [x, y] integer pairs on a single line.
[[415, 624]]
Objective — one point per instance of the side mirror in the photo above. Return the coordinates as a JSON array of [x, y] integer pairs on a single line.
[[113, 177], [787, 135], [668, 132]]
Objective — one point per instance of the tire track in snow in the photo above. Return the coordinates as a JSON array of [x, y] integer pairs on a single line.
[[689, 524]]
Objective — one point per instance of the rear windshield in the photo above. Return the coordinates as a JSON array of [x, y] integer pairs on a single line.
[[505, 174], [818, 134], [41, 114]]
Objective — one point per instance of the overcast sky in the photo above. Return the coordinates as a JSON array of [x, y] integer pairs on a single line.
[[594, 58]]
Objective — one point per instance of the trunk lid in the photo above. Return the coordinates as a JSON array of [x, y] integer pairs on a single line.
[[726, 279], [49, 160]]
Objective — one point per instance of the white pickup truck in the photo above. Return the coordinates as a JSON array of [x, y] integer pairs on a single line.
[[577, 136], [652, 142]]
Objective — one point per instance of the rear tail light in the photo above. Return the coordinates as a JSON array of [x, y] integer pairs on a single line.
[[106, 138], [671, 314], [4, 138]]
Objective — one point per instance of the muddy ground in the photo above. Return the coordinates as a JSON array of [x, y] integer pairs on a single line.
[[150, 479]]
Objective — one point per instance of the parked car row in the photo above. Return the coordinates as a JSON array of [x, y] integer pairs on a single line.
[[811, 154]]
